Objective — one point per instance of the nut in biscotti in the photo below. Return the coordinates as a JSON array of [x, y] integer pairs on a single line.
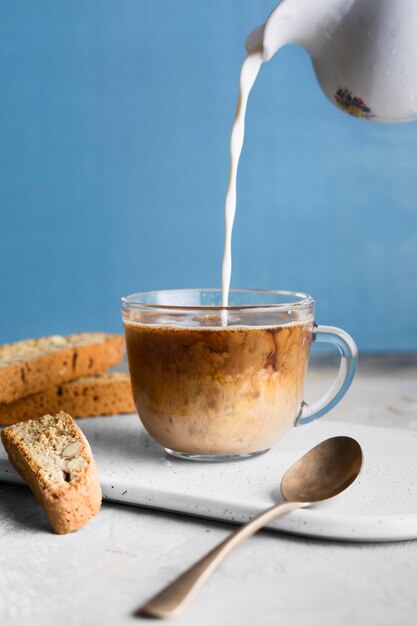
[[71, 450], [54, 458]]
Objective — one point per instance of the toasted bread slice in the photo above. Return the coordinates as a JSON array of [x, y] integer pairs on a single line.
[[102, 394], [54, 458], [32, 365]]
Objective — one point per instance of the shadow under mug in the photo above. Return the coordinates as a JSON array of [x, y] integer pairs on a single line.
[[220, 383]]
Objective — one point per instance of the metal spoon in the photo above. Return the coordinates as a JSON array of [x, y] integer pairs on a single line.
[[322, 473]]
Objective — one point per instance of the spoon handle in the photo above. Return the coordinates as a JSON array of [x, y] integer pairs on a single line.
[[175, 597]]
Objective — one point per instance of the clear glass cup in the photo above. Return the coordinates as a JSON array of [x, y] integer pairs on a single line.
[[218, 383]]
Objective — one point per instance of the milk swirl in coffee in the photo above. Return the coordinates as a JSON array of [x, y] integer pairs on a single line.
[[248, 74], [218, 390]]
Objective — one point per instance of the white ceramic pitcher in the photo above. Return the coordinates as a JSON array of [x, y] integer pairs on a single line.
[[364, 52]]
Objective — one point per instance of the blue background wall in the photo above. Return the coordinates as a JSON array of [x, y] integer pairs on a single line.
[[114, 130]]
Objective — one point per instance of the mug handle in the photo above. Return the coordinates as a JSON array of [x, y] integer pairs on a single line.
[[348, 363]]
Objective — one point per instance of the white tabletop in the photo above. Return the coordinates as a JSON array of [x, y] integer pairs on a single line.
[[100, 574]]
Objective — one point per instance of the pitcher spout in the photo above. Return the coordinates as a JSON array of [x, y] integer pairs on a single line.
[[303, 22]]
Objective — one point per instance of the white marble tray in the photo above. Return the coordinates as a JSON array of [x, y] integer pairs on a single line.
[[380, 506]]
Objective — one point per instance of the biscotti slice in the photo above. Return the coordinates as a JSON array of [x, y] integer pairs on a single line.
[[102, 394], [32, 365], [54, 458]]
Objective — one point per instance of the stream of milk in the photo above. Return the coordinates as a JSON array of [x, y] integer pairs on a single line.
[[248, 73]]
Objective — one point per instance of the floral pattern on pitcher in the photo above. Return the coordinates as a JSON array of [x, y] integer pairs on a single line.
[[351, 104]]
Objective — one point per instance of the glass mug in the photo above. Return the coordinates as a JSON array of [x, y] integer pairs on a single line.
[[218, 383]]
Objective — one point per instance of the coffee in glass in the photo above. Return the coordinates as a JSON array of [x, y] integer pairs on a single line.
[[213, 383]]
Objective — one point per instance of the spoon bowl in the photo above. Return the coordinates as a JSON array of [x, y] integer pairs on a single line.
[[324, 471]]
